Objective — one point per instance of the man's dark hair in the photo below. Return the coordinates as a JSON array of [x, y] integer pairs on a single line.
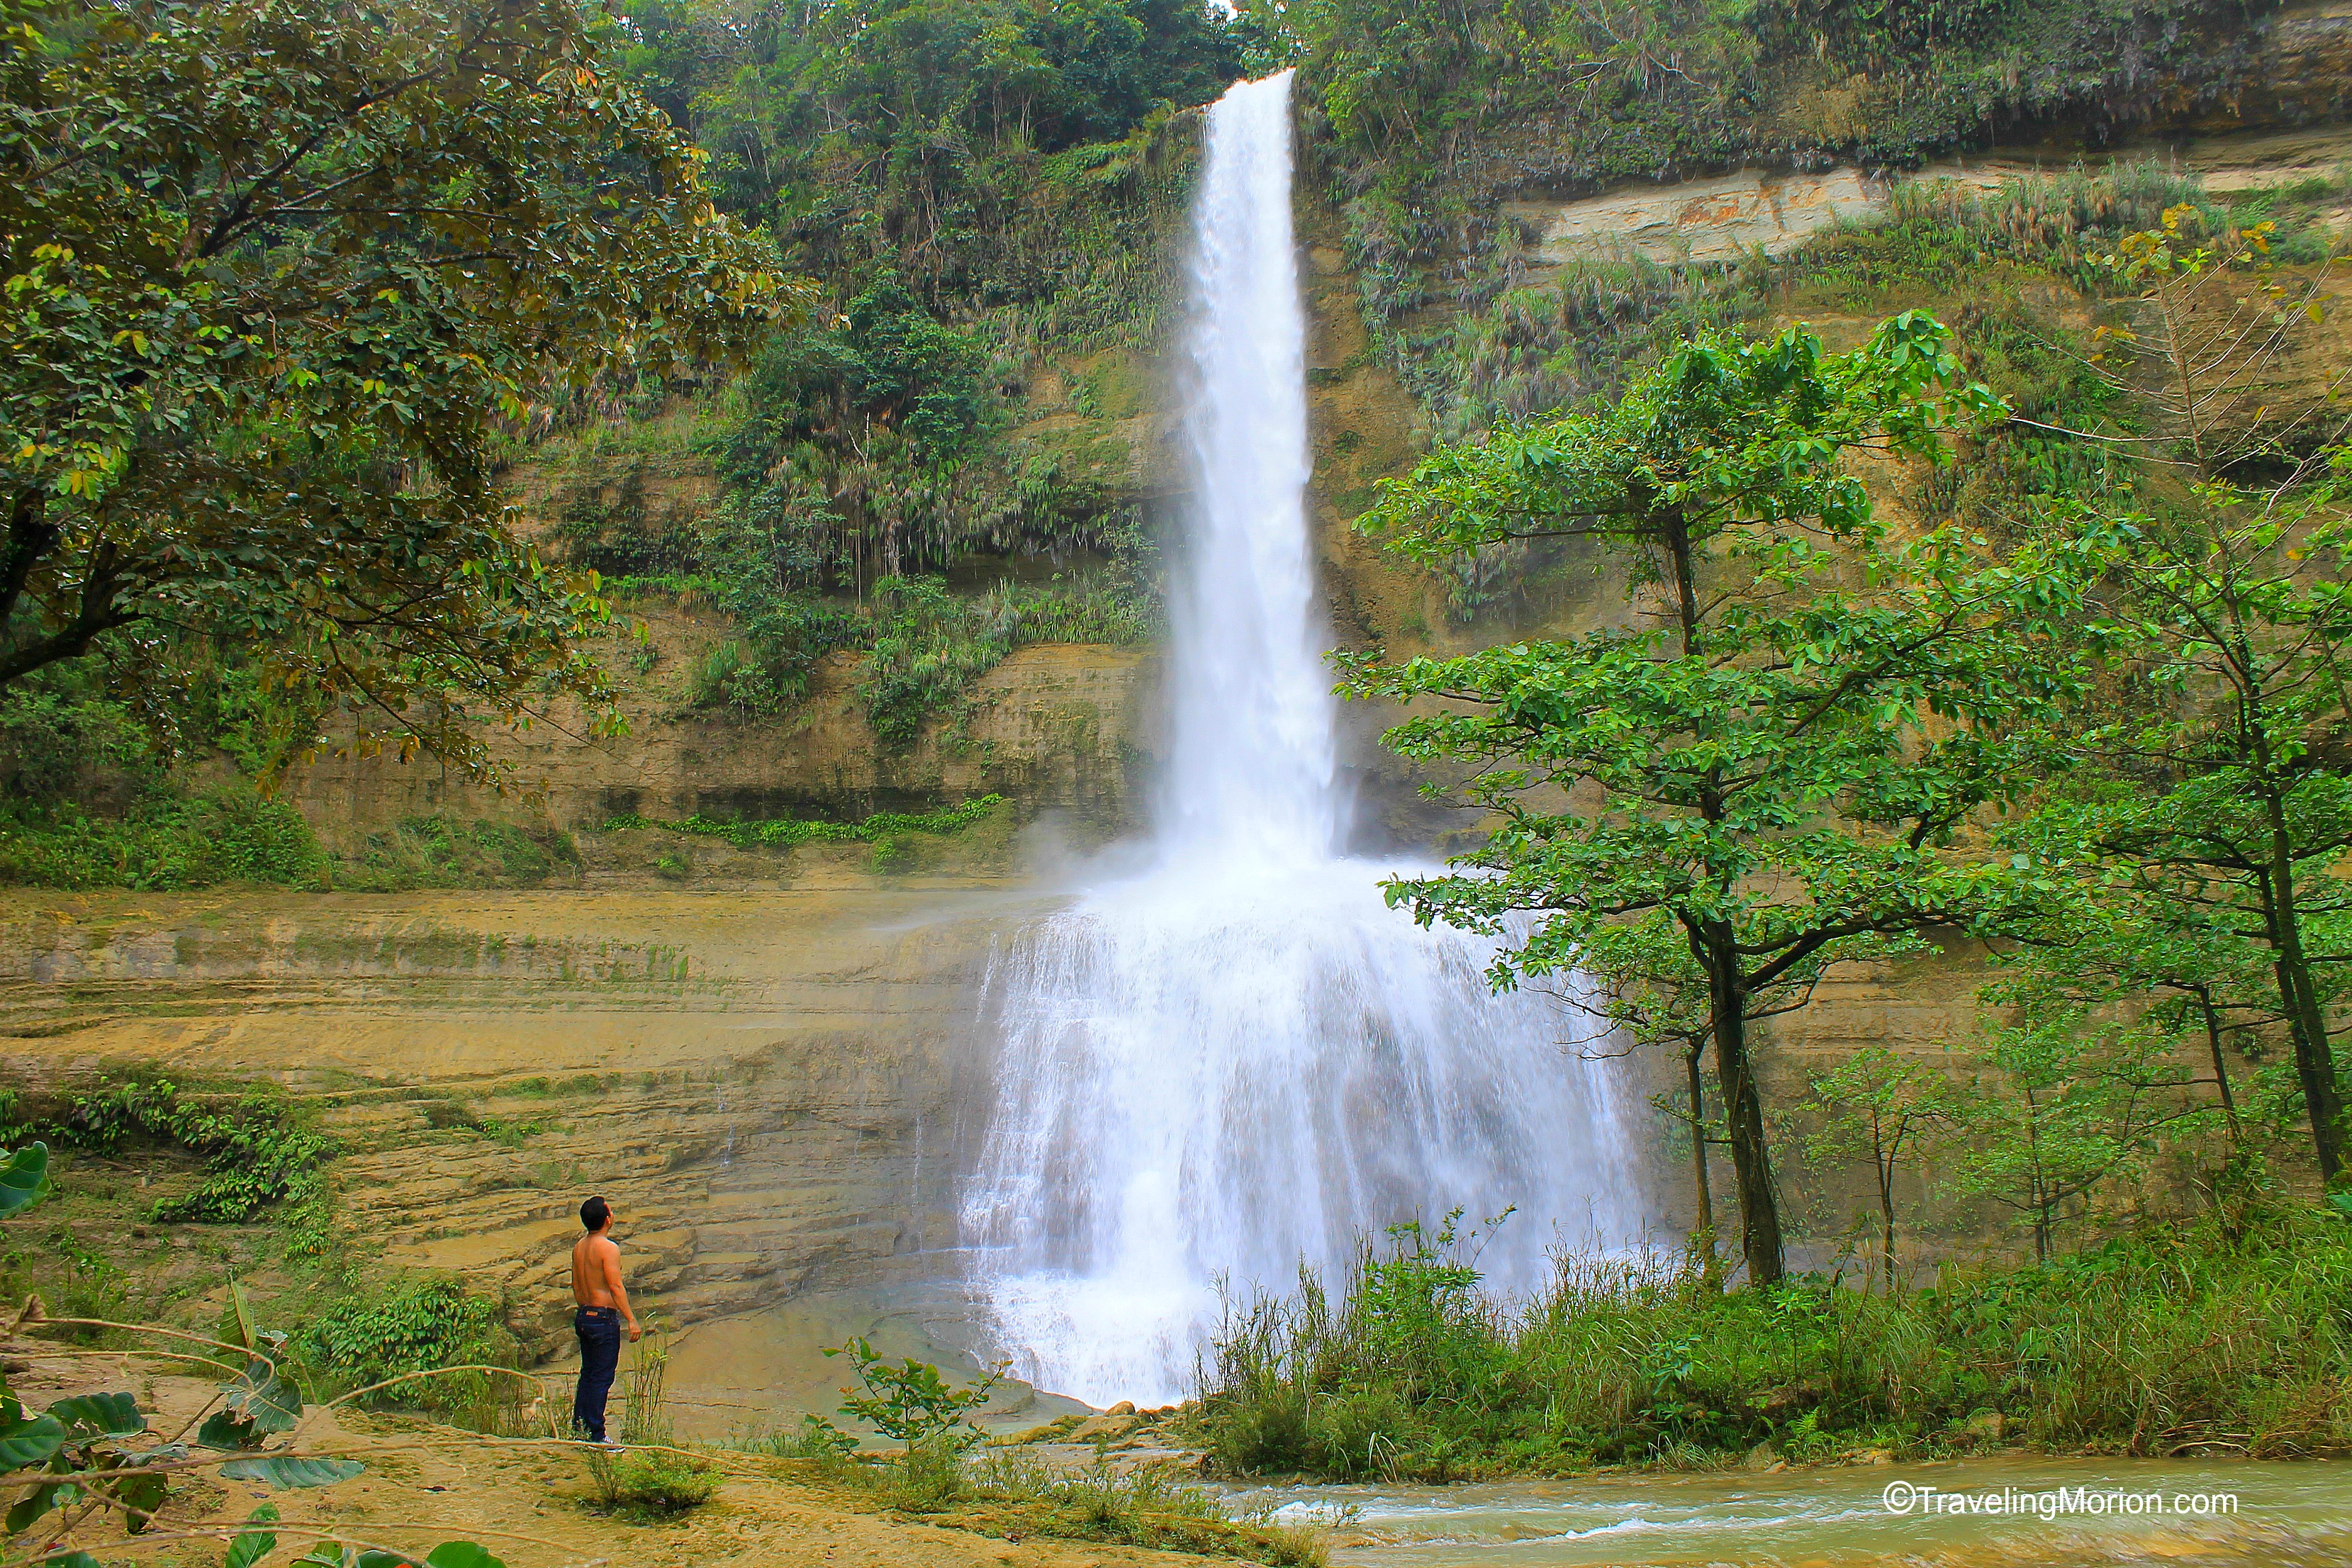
[[594, 1213]]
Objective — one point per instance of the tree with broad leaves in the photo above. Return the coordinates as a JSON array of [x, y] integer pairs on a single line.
[[1784, 754], [2074, 1103], [2116, 935], [2228, 803], [1646, 987], [273, 273]]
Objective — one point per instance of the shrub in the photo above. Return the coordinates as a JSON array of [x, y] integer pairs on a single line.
[[254, 1156], [161, 843], [2229, 1330], [657, 1483], [444, 852], [374, 1331]]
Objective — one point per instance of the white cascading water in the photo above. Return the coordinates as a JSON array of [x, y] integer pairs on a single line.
[[1243, 1059]]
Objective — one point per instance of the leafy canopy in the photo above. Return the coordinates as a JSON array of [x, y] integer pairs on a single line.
[[1788, 745], [272, 275]]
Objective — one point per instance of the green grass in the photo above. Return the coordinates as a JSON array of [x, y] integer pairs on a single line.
[[445, 852], [2229, 1334], [1011, 1492], [160, 842], [881, 828]]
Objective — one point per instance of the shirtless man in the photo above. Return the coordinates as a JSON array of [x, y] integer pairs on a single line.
[[601, 1307]]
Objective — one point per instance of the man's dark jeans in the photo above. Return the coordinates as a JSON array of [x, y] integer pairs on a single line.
[[599, 1329]]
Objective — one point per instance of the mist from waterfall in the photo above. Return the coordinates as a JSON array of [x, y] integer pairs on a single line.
[[1241, 1059]]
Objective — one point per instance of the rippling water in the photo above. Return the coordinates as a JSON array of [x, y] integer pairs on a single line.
[[2292, 1515]]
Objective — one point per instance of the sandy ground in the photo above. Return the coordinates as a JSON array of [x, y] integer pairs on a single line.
[[523, 1500]]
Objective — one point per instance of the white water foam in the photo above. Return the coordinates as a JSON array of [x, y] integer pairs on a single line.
[[1241, 1059]]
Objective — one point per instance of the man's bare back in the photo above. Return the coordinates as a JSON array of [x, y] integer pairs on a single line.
[[596, 1276], [599, 1305]]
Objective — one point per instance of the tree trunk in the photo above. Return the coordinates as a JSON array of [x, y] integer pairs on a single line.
[[2315, 1065], [2220, 1067], [1885, 1163], [1743, 1110], [1710, 1264]]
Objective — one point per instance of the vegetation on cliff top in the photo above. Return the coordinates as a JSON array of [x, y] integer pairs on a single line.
[[1428, 117], [987, 194]]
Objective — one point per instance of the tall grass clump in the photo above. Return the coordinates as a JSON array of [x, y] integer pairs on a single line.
[[654, 1478], [2230, 1333]]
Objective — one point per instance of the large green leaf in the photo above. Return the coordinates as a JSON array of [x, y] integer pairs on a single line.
[[92, 1416], [448, 1554], [460, 1554], [26, 1441], [242, 1312], [141, 1493], [252, 1545], [286, 1470], [36, 1501], [24, 1177], [259, 1395], [71, 1559], [225, 1430]]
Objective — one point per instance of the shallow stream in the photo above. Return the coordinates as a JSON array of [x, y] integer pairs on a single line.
[[2287, 1515]]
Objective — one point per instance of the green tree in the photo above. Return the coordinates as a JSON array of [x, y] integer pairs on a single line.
[[2124, 936], [1880, 1107], [2234, 804], [1781, 754], [2068, 1105], [273, 276], [1646, 985]]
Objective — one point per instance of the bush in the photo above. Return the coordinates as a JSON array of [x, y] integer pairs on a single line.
[[161, 843], [2232, 1332], [442, 852], [876, 829], [657, 1483], [372, 1332], [254, 1156]]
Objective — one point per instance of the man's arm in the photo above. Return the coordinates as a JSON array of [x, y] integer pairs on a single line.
[[612, 1255]]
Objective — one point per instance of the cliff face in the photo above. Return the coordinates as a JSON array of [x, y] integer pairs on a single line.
[[766, 1085]]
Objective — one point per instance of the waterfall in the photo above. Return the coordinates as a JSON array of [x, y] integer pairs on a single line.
[[1241, 1059]]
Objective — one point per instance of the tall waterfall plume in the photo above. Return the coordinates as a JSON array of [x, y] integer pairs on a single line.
[[1241, 1059]]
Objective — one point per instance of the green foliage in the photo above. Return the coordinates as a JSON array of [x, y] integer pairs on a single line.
[[912, 1403], [24, 1177], [979, 187], [88, 793], [249, 376], [2218, 812], [2229, 1328], [160, 842], [1877, 1106], [881, 825], [1770, 777], [442, 852], [255, 1156], [1428, 119], [2073, 1104], [82, 1457], [622, 538], [651, 1483], [397, 1328], [1011, 1492]]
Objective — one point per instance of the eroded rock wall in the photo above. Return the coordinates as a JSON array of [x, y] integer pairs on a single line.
[[766, 1086]]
